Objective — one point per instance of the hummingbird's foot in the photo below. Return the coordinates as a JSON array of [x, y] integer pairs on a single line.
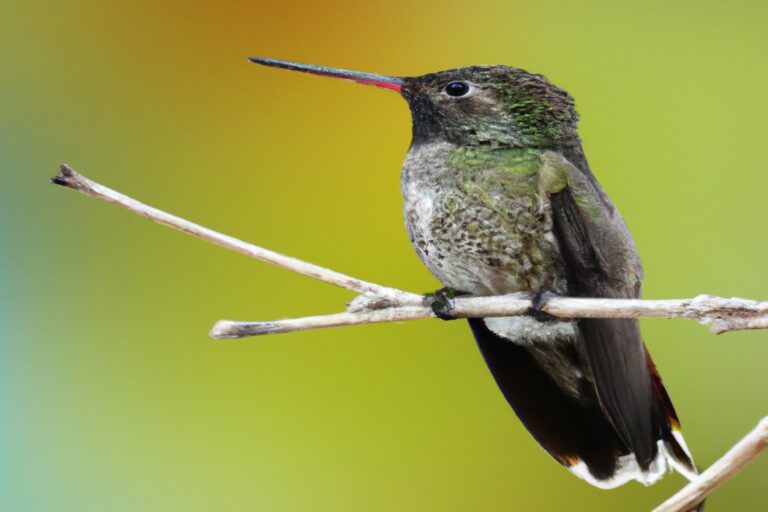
[[537, 310], [441, 302]]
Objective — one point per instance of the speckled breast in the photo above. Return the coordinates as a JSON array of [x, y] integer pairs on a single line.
[[478, 221]]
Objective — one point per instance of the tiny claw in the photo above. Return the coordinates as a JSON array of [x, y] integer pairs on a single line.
[[539, 302], [441, 302]]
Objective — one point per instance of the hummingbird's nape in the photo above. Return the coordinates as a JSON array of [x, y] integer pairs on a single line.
[[386, 82]]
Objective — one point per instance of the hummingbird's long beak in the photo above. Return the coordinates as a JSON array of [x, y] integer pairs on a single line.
[[387, 82]]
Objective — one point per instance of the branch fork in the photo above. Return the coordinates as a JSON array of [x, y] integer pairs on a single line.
[[378, 304]]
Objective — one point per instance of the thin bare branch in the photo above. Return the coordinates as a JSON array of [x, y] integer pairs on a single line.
[[69, 178], [719, 314], [224, 329], [722, 470]]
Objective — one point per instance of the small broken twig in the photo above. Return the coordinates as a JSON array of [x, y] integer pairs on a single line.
[[69, 178]]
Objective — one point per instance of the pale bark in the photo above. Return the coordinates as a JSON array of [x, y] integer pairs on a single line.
[[719, 314]]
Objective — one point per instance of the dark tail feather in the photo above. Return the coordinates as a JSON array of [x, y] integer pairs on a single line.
[[572, 430], [572, 426]]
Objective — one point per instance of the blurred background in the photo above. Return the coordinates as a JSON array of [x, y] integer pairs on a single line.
[[113, 397]]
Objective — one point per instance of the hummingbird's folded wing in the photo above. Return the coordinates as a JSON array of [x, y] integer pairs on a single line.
[[601, 261]]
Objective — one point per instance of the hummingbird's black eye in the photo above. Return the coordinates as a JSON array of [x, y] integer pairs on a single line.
[[457, 89]]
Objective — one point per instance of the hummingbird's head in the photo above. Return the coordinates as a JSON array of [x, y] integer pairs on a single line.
[[497, 106]]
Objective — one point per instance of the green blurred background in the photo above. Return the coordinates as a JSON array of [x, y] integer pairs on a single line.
[[112, 396]]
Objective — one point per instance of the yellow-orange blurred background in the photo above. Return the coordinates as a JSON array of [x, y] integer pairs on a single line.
[[112, 396]]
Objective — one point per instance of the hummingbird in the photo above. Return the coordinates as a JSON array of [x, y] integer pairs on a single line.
[[499, 199]]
